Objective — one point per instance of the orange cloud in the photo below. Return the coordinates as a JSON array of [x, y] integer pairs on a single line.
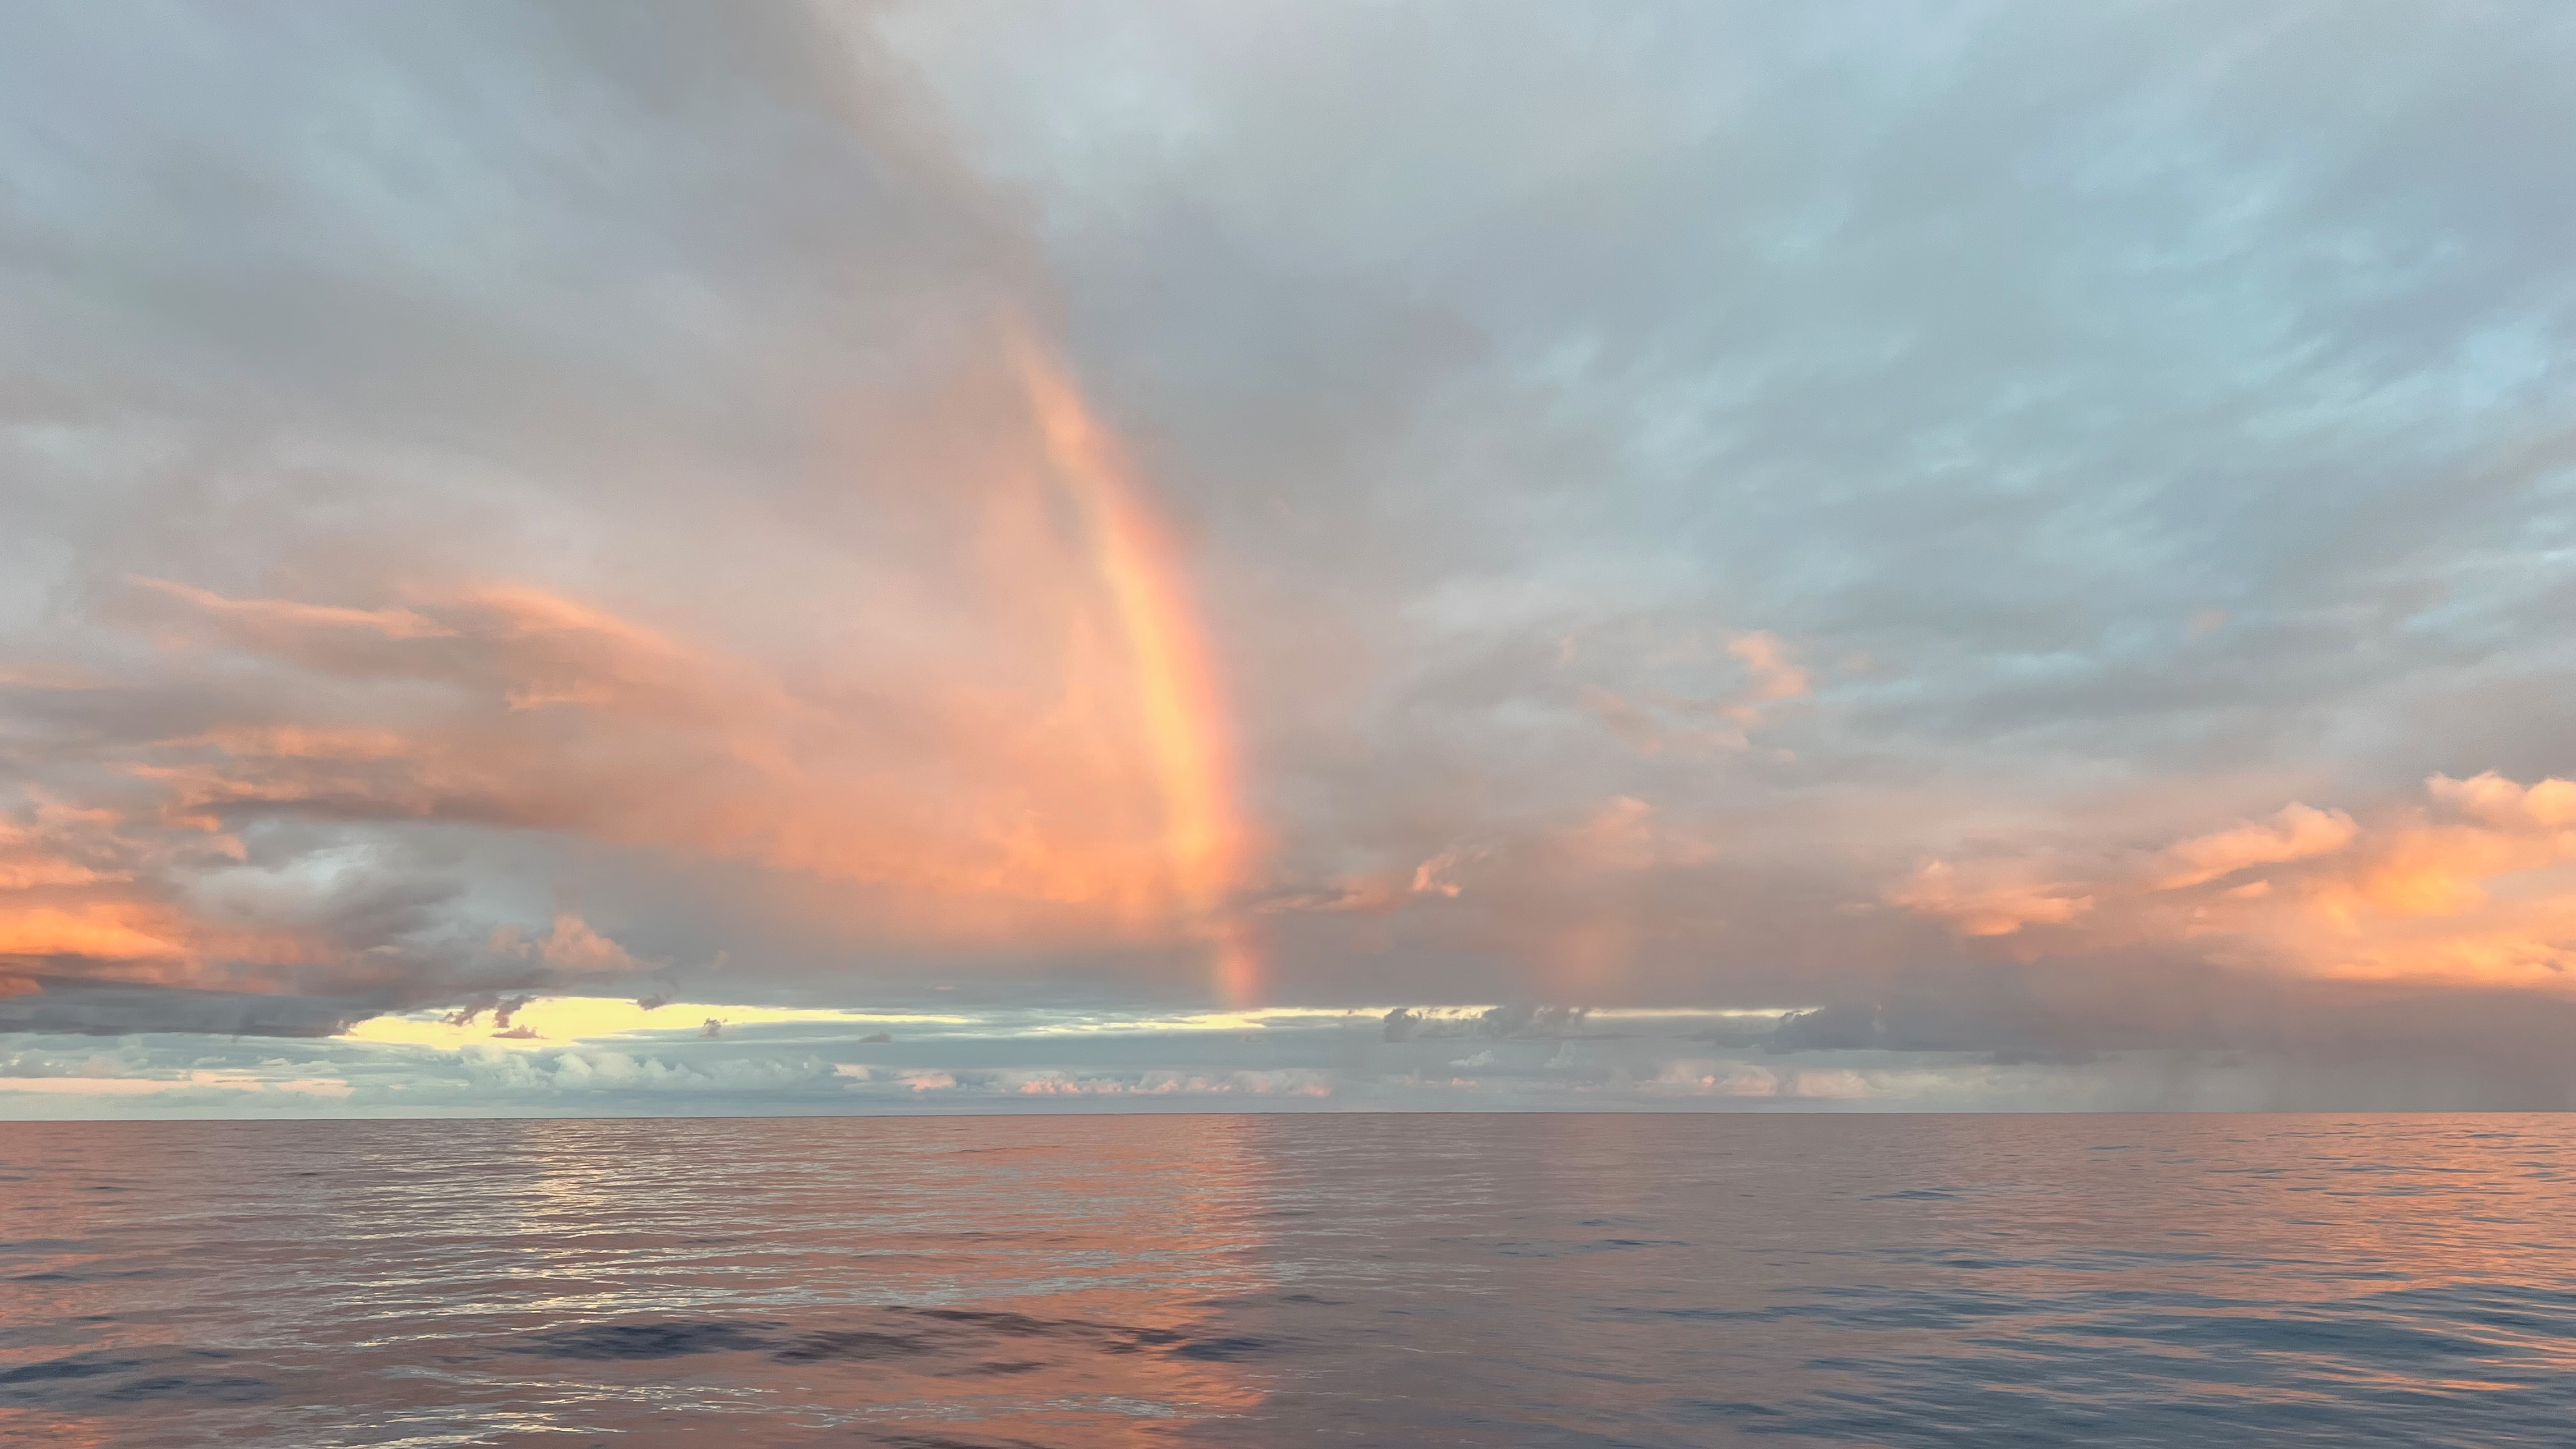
[[286, 618], [32, 858], [571, 945], [2298, 832], [557, 716], [1656, 721], [101, 932], [1627, 834], [2500, 802], [70, 893], [2487, 897], [1774, 677], [1441, 874], [1991, 899], [296, 742], [1065, 775]]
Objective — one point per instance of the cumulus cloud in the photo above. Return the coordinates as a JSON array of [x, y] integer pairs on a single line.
[[1406, 1023], [570, 945], [2548, 805], [2481, 889], [2296, 833], [1992, 898]]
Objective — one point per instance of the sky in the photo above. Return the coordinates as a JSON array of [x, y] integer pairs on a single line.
[[1003, 555]]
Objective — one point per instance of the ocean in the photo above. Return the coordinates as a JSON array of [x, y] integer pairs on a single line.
[[1471, 1280]]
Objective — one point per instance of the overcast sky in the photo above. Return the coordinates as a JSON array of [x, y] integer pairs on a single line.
[[610, 558]]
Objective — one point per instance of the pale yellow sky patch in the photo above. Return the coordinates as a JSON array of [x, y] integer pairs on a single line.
[[555, 1020]]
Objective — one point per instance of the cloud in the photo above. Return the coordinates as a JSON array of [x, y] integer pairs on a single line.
[[86, 1007], [521, 707], [2485, 896], [95, 933], [1438, 875], [1774, 677], [572, 946], [2499, 802], [2296, 833], [595, 1071], [1994, 898], [283, 622], [193, 1083], [2026, 1037], [1654, 721], [1405, 1023], [825, 505]]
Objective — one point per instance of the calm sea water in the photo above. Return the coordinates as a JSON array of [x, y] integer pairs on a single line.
[[1419, 1280]]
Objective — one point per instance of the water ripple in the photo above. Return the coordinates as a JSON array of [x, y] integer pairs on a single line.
[[1918, 1283]]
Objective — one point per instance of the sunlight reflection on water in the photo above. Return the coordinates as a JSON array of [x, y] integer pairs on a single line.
[[1462, 1280]]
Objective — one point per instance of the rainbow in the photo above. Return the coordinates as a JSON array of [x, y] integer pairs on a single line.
[[1179, 697]]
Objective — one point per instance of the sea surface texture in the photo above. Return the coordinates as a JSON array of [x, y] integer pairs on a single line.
[[1315, 1280]]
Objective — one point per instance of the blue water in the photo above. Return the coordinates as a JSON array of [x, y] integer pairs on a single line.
[[1417, 1280]]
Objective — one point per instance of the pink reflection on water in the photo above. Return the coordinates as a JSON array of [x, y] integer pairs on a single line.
[[1468, 1280]]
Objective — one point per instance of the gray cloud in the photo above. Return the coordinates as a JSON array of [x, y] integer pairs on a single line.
[[86, 1008]]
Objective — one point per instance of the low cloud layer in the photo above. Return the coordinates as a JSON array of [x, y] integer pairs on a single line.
[[2014, 544]]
